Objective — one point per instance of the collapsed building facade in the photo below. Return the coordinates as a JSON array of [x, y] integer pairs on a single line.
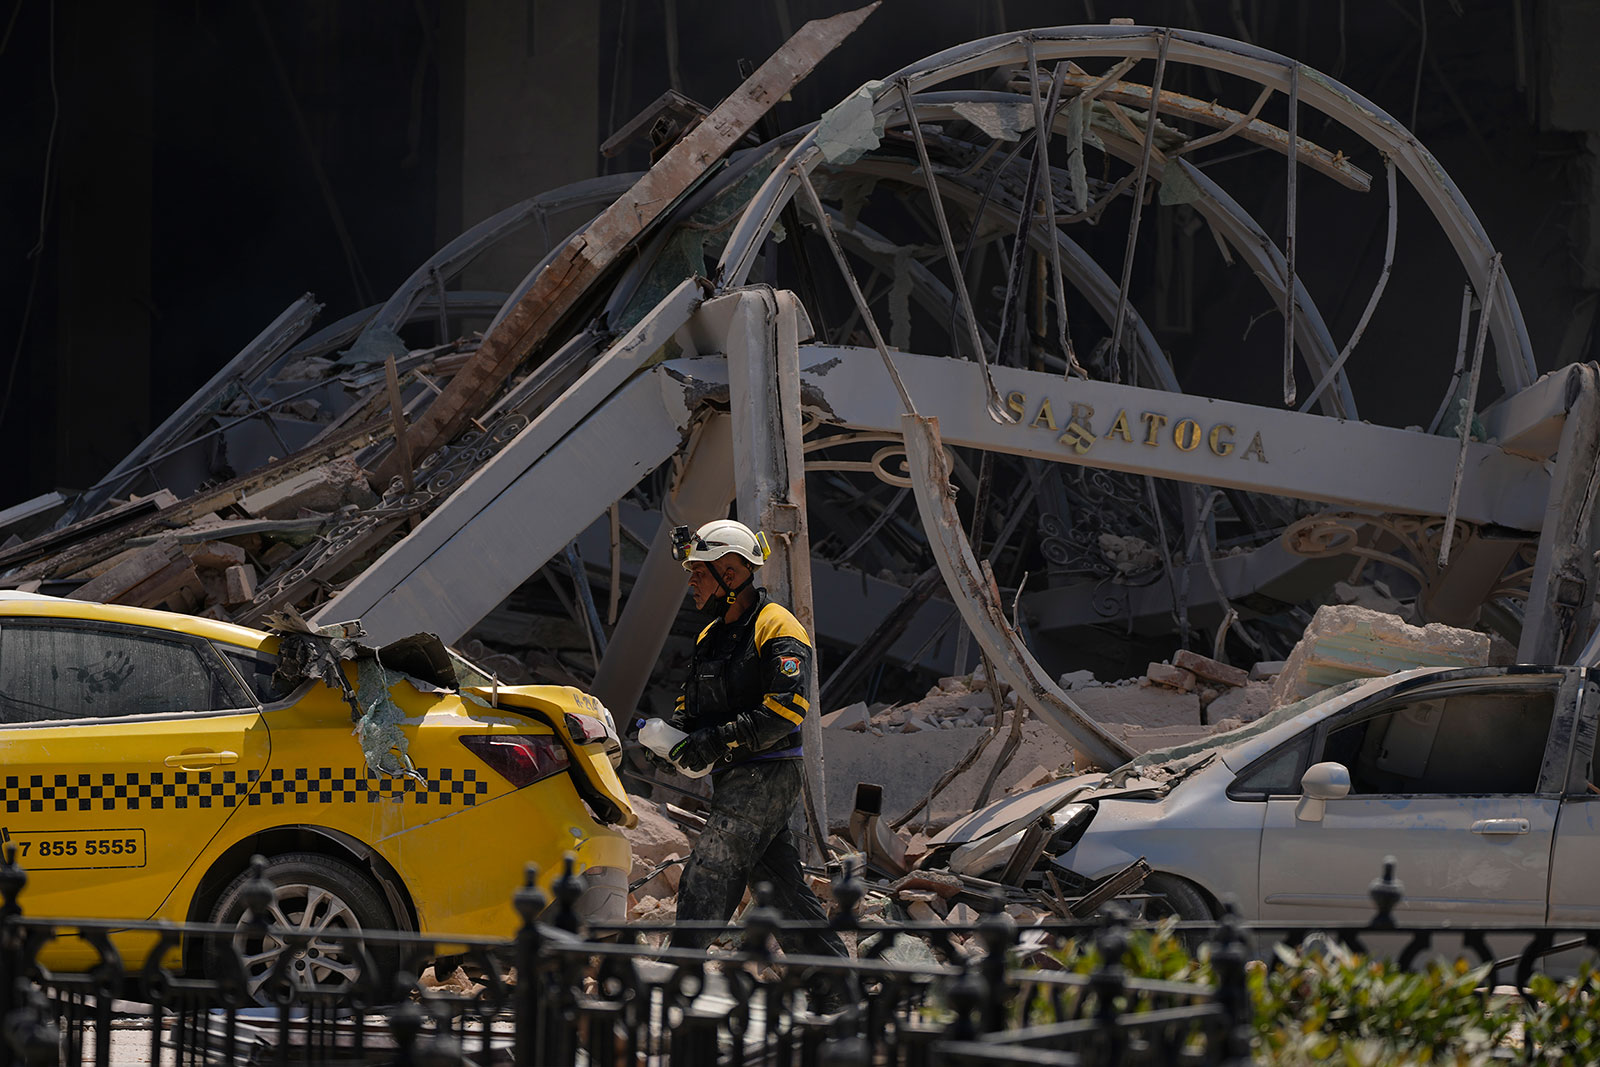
[[912, 341]]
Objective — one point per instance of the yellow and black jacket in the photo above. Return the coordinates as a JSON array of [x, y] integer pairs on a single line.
[[754, 672]]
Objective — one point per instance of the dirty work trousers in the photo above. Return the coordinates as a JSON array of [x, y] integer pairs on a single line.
[[747, 841]]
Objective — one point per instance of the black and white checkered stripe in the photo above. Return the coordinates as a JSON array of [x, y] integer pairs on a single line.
[[166, 790]]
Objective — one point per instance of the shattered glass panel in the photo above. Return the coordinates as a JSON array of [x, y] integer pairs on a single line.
[[71, 673], [383, 743]]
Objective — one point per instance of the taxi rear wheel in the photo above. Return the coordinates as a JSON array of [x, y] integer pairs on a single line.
[[319, 908]]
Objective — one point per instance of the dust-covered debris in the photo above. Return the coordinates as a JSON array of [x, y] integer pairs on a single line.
[[1345, 641]]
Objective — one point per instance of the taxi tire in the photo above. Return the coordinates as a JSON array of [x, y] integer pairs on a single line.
[[355, 890]]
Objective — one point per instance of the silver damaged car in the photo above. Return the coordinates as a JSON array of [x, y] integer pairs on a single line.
[[1479, 781]]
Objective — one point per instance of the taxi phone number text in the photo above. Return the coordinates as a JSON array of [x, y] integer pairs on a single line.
[[90, 848]]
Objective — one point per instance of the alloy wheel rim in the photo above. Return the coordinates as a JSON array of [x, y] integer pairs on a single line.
[[321, 926]]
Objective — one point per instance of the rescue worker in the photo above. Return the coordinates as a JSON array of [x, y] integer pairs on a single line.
[[742, 706]]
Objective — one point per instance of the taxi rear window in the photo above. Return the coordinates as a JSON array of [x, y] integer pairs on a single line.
[[54, 671]]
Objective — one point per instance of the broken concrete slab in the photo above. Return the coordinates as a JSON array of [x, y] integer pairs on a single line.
[[654, 838], [850, 717], [908, 765], [941, 883], [1247, 703], [1077, 680], [325, 489], [1345, 641], [1266, 670], [1148, 738]]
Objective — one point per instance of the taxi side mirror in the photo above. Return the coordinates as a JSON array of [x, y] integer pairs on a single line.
[[1321, 783]]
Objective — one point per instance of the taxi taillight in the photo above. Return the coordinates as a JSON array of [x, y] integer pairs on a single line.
[[520, 759], [585, 731]]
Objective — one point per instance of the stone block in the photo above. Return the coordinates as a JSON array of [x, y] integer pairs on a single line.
[[1266, 670], [218, 555], [241, 584], [938, 882], [1209, 669], [1077, 680], [1171, 677]]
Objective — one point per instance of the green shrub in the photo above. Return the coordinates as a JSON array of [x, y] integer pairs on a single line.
[[1323, 1004]]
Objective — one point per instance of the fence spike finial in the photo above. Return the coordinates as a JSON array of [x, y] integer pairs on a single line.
[[1387, 892]]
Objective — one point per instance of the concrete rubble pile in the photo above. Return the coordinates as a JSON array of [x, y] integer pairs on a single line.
[[310, 454], [884, 761]]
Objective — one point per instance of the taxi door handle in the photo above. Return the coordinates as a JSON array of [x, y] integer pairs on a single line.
[[201, 759], [1500, 826]]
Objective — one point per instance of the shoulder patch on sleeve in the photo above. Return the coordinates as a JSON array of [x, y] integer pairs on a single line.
[[776, 620]]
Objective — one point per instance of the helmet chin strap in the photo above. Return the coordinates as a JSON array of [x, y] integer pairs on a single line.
[[718, 609]]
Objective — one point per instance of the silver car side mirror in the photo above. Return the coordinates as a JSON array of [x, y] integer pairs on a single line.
[[1321, 783]]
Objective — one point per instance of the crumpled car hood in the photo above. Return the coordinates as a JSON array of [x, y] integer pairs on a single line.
[[1081, 788]]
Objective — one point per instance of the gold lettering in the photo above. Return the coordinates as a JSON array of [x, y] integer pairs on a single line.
[[1045, 415], [1186, 435], [1153, 424], [1255, 449], [1219, 446], [1082, 414], [1119, 428], [1080, 437], [1017, 402]]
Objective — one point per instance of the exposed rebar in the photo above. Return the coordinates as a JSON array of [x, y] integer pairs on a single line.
[[1044, 117], [1377, 292], [1469, 404], [993, 405], [1291, 213], [1151, 122], [855, 291]]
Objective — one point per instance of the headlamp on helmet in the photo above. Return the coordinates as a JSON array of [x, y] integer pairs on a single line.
[[718, 538]]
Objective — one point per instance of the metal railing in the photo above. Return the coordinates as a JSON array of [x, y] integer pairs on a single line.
[[557, 994]]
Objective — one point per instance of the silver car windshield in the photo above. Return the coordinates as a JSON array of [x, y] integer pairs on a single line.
[[1164, 763]]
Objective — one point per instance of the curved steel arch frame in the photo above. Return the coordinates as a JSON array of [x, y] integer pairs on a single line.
[[1514, 353]]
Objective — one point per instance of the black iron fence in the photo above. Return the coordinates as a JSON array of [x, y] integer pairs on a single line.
[[558, 994]]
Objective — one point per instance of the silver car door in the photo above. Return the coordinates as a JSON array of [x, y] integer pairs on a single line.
[[1456, 780]]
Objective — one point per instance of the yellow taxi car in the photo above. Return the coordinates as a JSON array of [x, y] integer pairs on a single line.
[[147, 756]]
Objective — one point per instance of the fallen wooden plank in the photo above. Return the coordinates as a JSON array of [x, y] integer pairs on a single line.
[[119, 535], [47, 543], [131, 572], [176, 586], [1112, 886], [569, 274]]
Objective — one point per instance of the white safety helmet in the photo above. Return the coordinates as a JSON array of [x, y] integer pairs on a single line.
[[716, 539]]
